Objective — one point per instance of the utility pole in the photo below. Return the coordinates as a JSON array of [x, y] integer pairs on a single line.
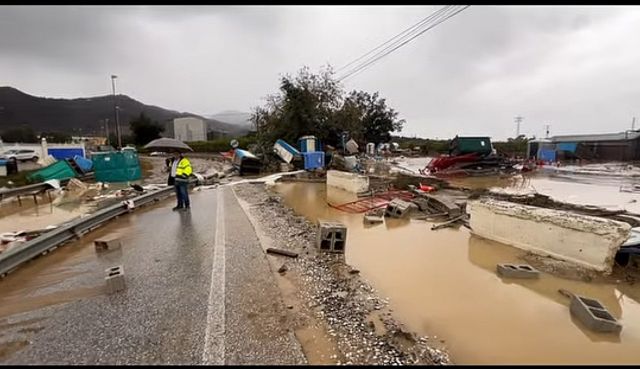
[[547, 130], [115, 108], [633, 124], [518, 119]]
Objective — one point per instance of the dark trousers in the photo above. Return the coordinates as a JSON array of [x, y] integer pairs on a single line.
[[182, 194]]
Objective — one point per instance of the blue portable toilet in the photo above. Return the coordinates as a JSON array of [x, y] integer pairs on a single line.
[[308, 144], [313, 160]]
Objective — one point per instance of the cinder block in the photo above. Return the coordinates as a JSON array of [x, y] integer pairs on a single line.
[[107, 243], [373, 219], [517, 271], [594, 315], [332, 236], [115, 279], [398, 208]]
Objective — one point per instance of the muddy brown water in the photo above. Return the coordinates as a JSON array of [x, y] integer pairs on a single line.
[[30, 216], [443, 283], [40, 283]]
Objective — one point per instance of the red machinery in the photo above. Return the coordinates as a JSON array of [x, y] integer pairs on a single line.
[[445, 161]]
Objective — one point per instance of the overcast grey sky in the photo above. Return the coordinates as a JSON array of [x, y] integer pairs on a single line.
[[575, 68]]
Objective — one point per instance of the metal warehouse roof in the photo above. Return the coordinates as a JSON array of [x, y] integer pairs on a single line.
[[628, 135]]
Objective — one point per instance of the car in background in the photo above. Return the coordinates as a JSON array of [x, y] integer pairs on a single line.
[[129, 148], [158, 153], [20, 155]]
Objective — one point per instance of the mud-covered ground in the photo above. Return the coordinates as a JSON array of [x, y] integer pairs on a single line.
[[332, 300], [154, 171]]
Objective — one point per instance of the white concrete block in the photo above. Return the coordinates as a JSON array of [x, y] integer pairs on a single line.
[[588, 241], [351, 182]]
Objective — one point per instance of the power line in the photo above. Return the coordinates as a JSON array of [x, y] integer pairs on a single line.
[[425, 23], [363, 66], [410, 29], [375, 59]]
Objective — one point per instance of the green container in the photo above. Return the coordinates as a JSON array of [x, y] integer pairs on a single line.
[[58, 170], [116, 166], [468, 145]]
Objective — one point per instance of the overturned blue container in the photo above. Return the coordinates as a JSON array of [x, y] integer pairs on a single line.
[[84, 164], [285, 151], [313, 160]]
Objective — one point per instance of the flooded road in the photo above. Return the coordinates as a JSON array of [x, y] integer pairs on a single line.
[[181, 270], [444, 283], [600, 189]]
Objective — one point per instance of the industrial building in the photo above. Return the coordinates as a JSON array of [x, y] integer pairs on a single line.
[[187, 129], [622, 146]]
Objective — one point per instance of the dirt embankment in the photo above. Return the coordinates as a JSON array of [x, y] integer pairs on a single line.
[[337, 313]]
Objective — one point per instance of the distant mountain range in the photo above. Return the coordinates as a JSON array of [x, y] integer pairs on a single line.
[[234, 117], [84, 116]]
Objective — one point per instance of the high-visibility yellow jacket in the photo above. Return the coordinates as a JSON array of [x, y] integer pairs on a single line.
[[183, 168]]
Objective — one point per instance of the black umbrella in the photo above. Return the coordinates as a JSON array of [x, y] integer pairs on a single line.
[[168, 144]]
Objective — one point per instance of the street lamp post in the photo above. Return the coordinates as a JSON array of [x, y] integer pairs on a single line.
[[115, 108]]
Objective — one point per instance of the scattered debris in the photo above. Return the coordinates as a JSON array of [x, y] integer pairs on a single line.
[[517, 271], [373, 219], [290, 254], [75, 185], [129, 204], [449, 223], [399, 208], [376, 201], [107, 243], [283, 269], [351, 146], [443, 203], [137, 187], [53, 183]]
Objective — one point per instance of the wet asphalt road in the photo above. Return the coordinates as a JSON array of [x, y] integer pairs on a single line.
[[199, 291]]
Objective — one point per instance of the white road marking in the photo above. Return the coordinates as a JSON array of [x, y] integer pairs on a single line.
[[214, 344]]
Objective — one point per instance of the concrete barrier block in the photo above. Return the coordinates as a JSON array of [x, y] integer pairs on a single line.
[[107, 243], [351, 182], [517, 271], [332, 236], [594, 315], [115, 279], [587, 241], [399, 208]]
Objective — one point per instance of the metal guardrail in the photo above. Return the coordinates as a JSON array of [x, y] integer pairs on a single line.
[[75, 229]]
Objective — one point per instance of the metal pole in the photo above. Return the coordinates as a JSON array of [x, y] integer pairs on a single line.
[[115, 108], [633, 124]]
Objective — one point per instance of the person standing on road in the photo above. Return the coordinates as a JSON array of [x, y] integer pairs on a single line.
[[180, 171]]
